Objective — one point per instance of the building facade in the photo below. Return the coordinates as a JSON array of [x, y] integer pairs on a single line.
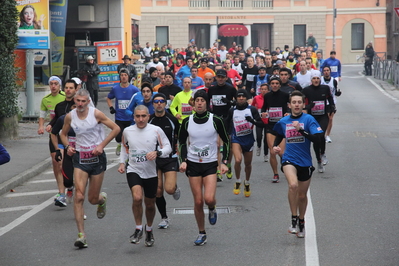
[[267, 23]]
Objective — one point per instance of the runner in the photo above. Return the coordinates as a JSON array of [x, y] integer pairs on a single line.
[[89, 160], [261, 132], [141, 170], [299, 129], [199, 159]]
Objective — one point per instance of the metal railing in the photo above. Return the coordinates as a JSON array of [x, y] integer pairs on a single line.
[[262, 3], [231, 3], [198, 4], [387, 70]]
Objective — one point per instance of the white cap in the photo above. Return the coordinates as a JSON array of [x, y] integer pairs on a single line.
[[77, 80], [89, 58], [315, 73]]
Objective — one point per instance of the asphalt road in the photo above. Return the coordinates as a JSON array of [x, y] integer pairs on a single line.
[[351, 218]]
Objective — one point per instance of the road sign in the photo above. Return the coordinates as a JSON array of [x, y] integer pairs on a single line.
[[396, 10]]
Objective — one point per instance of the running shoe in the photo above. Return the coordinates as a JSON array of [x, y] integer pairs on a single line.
[[293, 229], [320, 167], [324, 159], [102, 208], [164, 223], [118, 149], [201, 240], [229, 173], [84, 217], [213, 216], [328, 139], [258, 151], [176, 194], [135, 238], [276, 178], [219, 177], [237, 188], [69, 195], [60, 201], [81, 241], [149, 238], [247, 190], [301, 229], [266, 158]]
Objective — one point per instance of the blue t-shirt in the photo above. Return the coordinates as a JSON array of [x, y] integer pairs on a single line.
[[196, 82], [122, 98], [297, 149], [138, 99]]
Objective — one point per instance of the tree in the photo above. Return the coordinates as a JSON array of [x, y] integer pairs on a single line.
[[8, 42]]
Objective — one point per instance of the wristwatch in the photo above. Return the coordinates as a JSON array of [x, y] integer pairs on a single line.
[[159, 153]]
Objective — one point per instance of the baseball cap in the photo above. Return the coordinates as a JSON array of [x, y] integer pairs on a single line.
[[221, 72]]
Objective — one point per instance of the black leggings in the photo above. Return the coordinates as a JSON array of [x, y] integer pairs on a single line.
[[261, 135], [67, 170], [320, 147], [122, 125]]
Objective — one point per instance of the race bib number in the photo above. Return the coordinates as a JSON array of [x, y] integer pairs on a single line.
[[217, 100], [163, 58], [72, 141], [318, 108], [292, 135], [138, 156], [186, 109], [275, 114], [123, 104], [202, 153], [250, 77], [242, 127], [168, 102], [334, 68], [86, 155]]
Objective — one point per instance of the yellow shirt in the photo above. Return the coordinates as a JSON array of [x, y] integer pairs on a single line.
[[180, 105]]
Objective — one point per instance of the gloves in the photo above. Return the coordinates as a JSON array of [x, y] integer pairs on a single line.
[[338, 93], [250, 119], [332, 109], [112, 110], [58, 156], [224, 100]]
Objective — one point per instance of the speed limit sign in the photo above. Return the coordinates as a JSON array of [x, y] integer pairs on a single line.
[[109, 52]]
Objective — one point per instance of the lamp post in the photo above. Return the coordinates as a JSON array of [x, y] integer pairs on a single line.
[[334, 17]]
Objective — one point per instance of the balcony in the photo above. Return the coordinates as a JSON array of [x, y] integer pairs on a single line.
[[231, 4], [198, 4], [262, 3]]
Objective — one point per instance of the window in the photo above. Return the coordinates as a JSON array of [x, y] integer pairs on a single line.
[[357, 41], [162, 35], [200, 34], [299, 35]]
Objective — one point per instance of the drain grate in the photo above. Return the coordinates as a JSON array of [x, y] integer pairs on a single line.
[[191, 210]]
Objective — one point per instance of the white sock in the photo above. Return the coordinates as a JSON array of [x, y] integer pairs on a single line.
[[148, 228], [140, 227]]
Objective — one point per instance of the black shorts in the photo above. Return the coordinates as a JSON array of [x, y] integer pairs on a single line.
[[303, 173], [167, 164], [201, 169], [93, 168], [149, 185]]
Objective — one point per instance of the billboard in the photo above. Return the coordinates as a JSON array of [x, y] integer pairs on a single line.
[[33, 24]]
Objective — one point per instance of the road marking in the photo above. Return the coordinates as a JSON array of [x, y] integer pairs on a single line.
[[23, 194], [382, 90], [41, 181], [26, 216], [19, 208], [312, 253]]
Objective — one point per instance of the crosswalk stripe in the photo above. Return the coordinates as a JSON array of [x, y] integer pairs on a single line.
[[23, 194]]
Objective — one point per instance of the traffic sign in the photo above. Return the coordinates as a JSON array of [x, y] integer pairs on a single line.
[[396, 10]]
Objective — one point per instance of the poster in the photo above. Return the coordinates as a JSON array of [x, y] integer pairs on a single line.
[[33, 24]]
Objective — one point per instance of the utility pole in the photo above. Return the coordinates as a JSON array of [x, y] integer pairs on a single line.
[[334, 17]]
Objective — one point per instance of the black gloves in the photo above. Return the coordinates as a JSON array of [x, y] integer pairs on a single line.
[[112, 110], [332, 109], [338, 93], [58, 156], [250, 119], [224, 100]]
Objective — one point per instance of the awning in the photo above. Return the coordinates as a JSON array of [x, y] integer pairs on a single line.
[[231, 30]]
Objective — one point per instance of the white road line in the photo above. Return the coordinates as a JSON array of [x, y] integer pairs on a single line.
[[312, 253], [23, 194], [26, 216], [382, 90], [41, 181], [48, 172], [19, 208]]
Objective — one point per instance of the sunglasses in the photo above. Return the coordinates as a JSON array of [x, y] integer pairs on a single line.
[[159, 101]]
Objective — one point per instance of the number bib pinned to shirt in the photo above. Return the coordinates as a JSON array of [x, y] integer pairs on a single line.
[[202, 153], [86, 155], [186, 109], [217, 100], [275, 114], [292, 135], [318, 108], [123, 104], [242, 127], [138, 156]]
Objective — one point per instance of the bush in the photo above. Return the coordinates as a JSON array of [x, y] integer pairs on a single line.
[[8, 42]]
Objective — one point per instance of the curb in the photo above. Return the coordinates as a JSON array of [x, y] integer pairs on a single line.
[[24, 176]]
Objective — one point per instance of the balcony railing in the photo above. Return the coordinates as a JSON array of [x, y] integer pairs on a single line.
[[262, 3], [198, 4], [231, 3]]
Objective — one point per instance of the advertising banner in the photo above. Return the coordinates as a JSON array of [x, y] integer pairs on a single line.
[[33, 24]]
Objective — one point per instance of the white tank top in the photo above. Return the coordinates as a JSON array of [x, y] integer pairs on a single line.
[[202, 141], [332, 89], [89, 133]]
